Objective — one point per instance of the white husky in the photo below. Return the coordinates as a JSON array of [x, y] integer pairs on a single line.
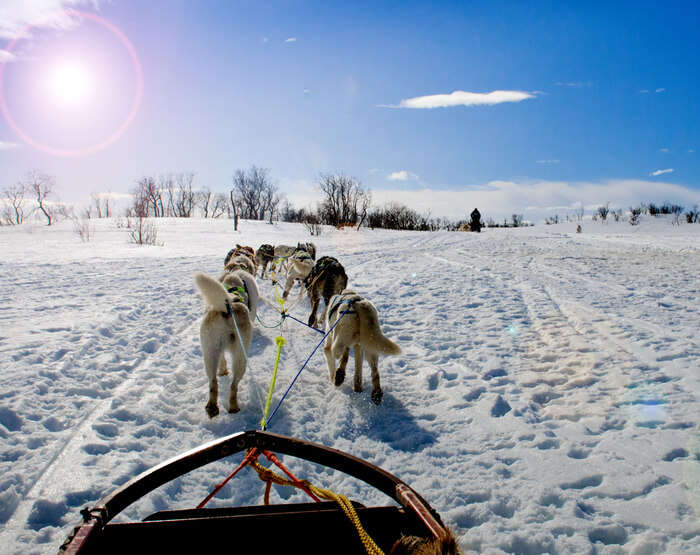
[[358, 328], [300, 265], [235, 297]]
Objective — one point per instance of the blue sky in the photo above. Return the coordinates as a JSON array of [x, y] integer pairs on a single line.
[[598, 101]]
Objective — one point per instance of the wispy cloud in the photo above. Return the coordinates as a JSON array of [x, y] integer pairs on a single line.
[[574, 84], [661, 172], [660, 90], [548, 162], [664, 150], [16, 15], [291, 39], [401, 175], [461, 98], [8, 146]]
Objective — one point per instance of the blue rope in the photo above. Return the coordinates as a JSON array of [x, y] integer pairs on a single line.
[[285, 315], [304, 366]]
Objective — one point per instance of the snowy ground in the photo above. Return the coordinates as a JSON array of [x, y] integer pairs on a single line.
[[547, 399]]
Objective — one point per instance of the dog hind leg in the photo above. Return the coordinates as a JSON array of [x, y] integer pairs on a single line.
[[357, 382], [377, 392], [340, 372], [330, 359], [212, 353]]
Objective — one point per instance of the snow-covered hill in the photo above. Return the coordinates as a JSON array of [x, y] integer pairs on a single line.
[[547, 397]]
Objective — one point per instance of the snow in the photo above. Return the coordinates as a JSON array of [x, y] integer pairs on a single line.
[[546, 399]]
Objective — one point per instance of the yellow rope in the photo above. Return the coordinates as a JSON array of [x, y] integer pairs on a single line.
[[269, 476], [280, 342]]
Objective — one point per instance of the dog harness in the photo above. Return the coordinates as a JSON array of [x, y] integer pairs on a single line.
[[240, 295], [321, 264], [337, 300], [236, 252], [267, 250]]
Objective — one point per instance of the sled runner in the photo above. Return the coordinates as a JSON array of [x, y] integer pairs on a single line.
[[314, 527]]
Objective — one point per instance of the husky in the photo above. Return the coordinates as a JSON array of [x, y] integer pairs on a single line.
[[234, 298], [300, 265], [327, 278], [358, 328], [264, 256], [308, 247], [237, 253]]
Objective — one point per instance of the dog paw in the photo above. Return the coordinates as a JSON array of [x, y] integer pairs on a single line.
[[339, 377], [212, 410], [233, 410], [377, 395]]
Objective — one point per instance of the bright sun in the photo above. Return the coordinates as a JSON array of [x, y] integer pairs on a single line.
[[70, 83]]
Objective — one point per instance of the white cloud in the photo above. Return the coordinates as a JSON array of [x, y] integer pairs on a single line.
[[660, 90], [462, 98], [660, 172], [265, 40], [8, 146], [291, 39], [16, 15], [664, 150], [548, 162], [402, 175], [6, 56]]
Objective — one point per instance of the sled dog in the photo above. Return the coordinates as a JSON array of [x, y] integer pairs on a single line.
[[235, 256], [308, 247], [327, 278], [358, 328], [235, 297], [300, 266], [264, 256]]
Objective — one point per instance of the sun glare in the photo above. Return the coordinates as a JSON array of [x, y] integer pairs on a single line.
[[70, 84]]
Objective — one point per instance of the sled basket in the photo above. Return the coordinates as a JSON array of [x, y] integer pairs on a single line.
[[282, 528]]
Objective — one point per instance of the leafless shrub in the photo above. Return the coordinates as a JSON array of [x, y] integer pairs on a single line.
[[83, 228], [692, 216], [143, 231], [634, 215], [13, 204], [603, 211]]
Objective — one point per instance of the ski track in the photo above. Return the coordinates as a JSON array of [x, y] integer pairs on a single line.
[[539, 361]]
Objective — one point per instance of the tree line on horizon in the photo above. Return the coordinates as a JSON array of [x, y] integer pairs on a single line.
[[343, 201]]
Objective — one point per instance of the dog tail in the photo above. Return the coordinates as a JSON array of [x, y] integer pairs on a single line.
[[212, 291], [371, 336]]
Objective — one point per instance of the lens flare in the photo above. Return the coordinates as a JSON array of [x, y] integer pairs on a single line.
[[71, 84]]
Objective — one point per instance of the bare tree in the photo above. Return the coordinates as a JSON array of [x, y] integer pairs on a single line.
[[203, 200], [603, 211], [148, 198], [220, 205], [13, 209], [185, 196], [344, 200], [42, 187], [254, 193]]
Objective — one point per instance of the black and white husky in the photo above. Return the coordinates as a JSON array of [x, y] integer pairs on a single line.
[[358, 328], [227, 326]]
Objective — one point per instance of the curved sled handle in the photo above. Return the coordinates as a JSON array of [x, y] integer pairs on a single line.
[[163, 473]]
